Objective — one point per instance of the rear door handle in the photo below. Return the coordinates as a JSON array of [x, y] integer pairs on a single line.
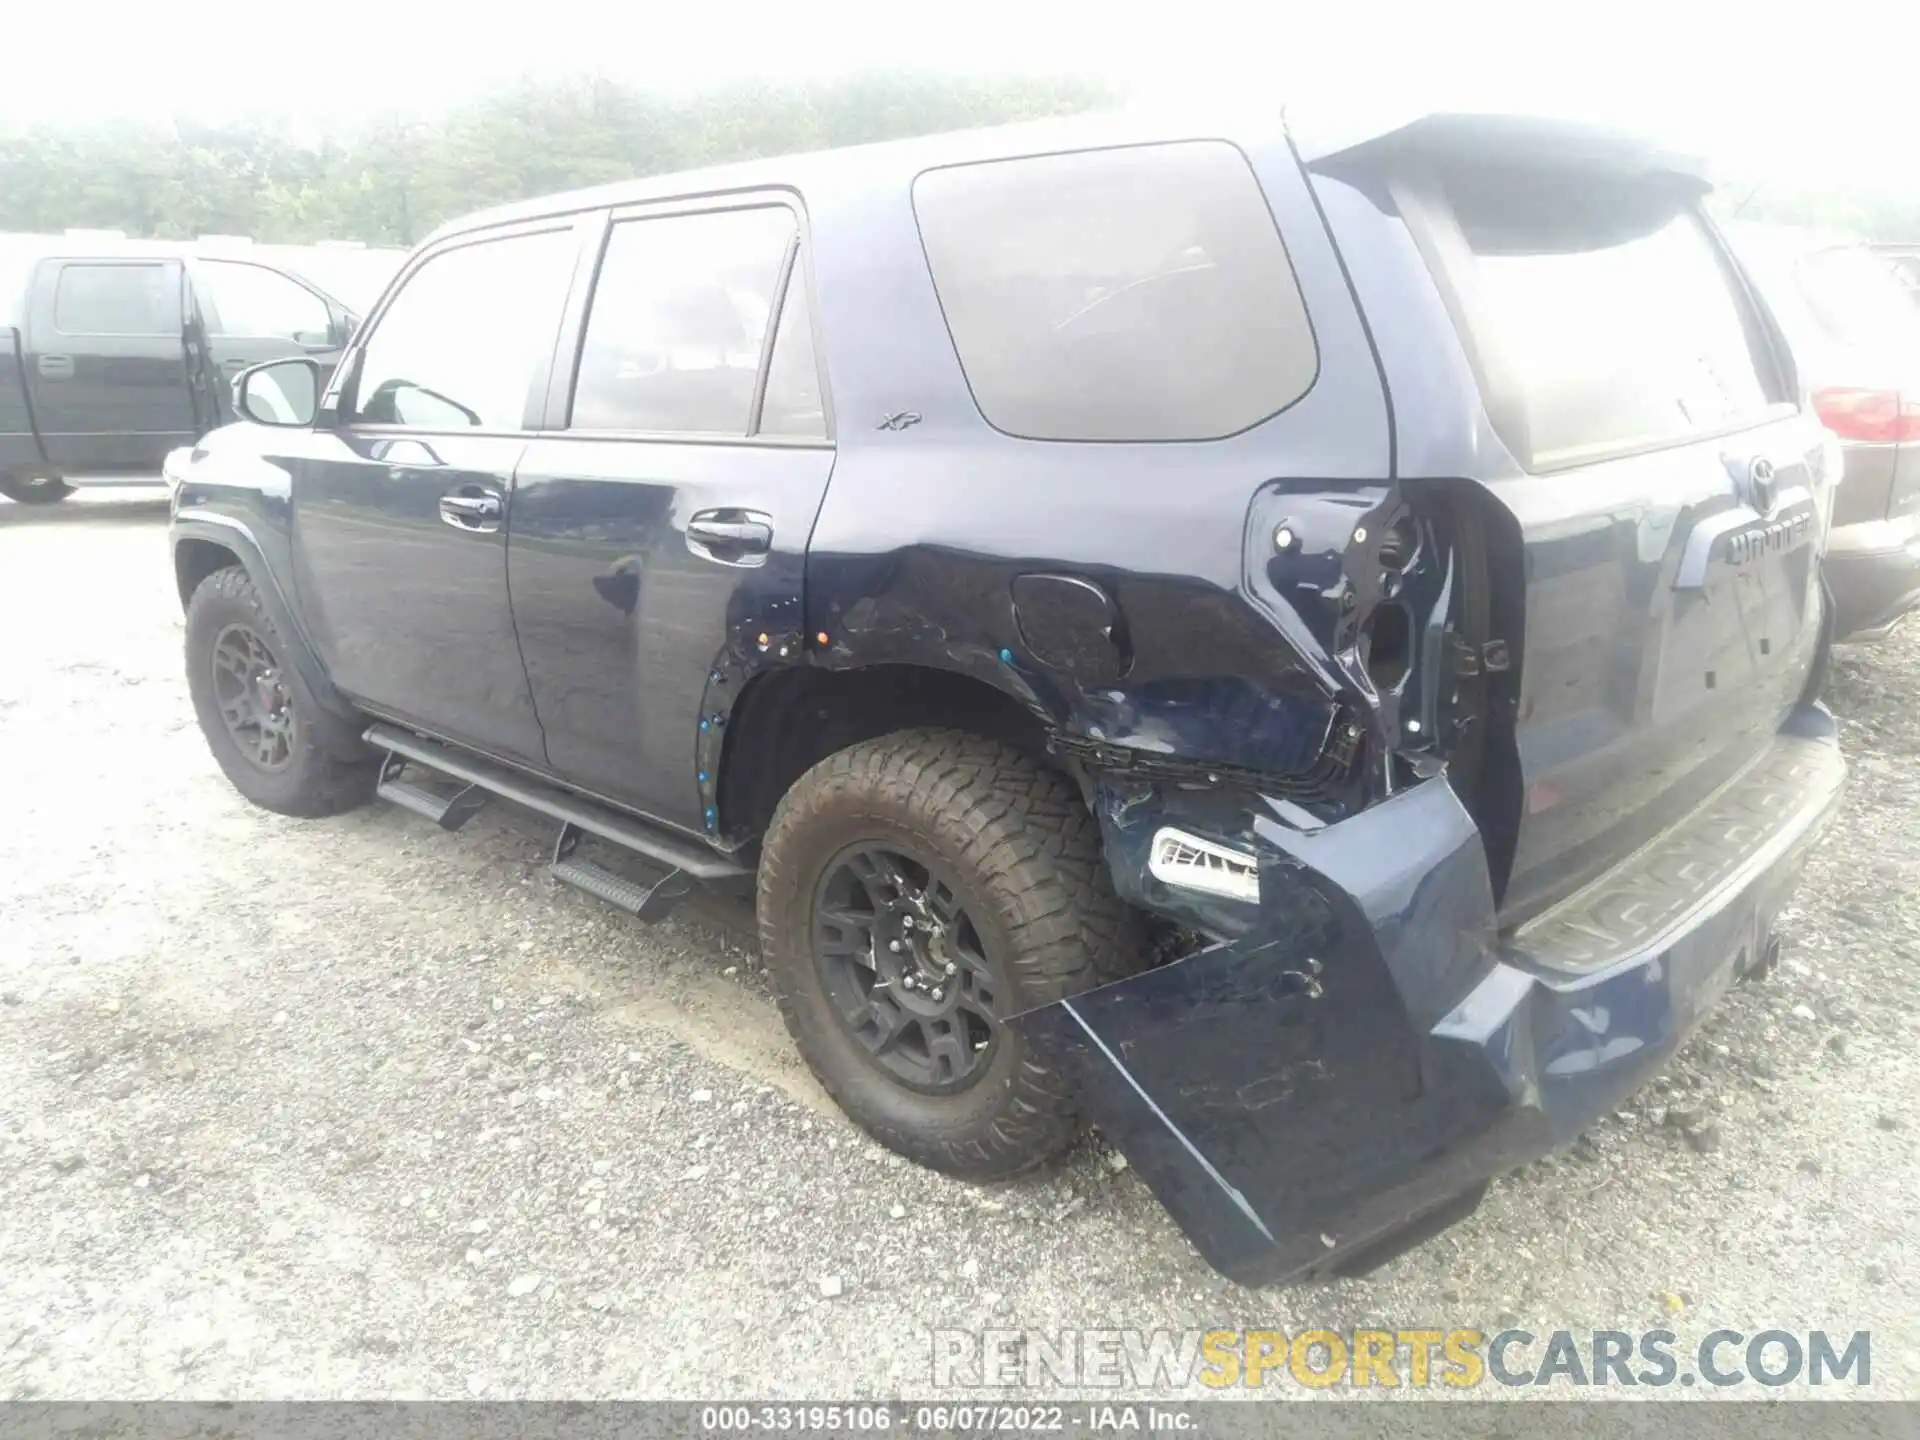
[[479, 511], [56, 367], [731, 537]]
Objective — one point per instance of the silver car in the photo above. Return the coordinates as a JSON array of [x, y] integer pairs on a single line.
[[1855, 335]]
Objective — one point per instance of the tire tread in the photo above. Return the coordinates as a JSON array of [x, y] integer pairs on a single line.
[[1033, 852]]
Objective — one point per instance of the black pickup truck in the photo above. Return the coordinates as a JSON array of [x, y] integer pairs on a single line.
[[110, 356]]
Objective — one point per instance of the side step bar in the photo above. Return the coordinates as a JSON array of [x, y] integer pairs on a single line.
[[642, 900], [682, 861], [449, 812]]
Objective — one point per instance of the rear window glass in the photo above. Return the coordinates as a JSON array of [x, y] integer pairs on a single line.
[[1610, 317], [116, 300], [1133, 294]]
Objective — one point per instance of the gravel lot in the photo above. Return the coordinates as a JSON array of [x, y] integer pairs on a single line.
[[352, 1108]]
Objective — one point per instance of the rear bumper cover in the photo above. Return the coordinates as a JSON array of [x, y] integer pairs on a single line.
[[1873, 572], [1344, 1078]]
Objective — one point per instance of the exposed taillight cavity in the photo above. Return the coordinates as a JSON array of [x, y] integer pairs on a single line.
[[1875, 415]]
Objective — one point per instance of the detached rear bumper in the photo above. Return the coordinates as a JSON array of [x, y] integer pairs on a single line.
[[1343, 1080]]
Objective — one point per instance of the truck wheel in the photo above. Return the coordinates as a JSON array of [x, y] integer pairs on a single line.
[[34, 489], [255, 712], [915, 892]]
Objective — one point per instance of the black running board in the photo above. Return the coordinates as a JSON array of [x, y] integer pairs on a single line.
[[648, 899], [683, 860], [449, 812]]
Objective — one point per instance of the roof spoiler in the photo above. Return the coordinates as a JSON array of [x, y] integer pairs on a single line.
[[1517, 140]]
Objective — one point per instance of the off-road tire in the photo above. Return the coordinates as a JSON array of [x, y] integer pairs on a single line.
[[320, 778], [34, 489], [1018, 838]]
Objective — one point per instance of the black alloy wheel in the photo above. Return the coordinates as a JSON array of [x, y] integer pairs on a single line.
[[254, 701], [905, 969]]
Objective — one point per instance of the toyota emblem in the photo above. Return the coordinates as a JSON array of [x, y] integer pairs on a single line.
[[1762, 490]]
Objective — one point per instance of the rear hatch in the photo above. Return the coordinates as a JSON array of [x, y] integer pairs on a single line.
[[1668, 492]]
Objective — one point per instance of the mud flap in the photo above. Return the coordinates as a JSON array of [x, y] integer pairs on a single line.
[[1283, 1094]]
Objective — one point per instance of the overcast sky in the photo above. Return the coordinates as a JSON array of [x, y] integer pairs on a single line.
[[1831, 93]]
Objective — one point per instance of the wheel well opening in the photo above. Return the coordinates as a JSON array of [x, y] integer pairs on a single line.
[[194, 561], [787, 721]]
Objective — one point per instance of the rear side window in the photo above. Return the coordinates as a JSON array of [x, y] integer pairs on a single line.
[[1611, 318], [117, 300], [1132, 294], [460, 344], [679, 321]]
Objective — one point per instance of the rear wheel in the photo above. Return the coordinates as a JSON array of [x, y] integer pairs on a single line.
[[258, 718], [34, 489], [915, 893]]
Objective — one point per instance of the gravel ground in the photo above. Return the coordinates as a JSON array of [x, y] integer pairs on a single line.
[[351, 1108]]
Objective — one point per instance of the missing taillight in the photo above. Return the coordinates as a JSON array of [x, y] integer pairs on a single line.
[[1389, 647], [1398, 545]]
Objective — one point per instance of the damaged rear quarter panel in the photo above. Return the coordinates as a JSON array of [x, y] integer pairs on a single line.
[[1105, 586]]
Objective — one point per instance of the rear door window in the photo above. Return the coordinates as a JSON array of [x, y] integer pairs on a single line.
[[117, 299], [679, 321], [461, 343], [1612, 319], [1131, 294], [794, 404]]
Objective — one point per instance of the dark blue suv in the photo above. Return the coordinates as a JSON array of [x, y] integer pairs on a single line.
[[1302, 651]]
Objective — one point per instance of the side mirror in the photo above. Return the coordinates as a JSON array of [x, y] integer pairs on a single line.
[[280, 392]]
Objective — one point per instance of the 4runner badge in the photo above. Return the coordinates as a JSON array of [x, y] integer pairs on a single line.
[[1784, 522]]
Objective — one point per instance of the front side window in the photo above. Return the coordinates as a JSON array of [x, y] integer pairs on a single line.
[[117, 300], [679, 320], [1609, 312], [460, 345], [1133, 294], [253, 302]]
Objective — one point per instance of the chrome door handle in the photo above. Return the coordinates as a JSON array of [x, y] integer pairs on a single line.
[[731, 537], [471, 512]]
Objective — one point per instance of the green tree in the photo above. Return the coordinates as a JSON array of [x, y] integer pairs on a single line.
[[393, 177]]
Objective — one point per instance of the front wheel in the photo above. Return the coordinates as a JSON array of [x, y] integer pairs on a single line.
[[257, 716], [915, 893], [34, 489]]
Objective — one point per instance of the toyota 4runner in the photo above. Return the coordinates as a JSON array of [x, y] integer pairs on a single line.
[[1302, 650]]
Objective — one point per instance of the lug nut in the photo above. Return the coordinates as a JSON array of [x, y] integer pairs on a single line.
[[938, 993], [906, 922], [951, 967], [894, 946], [906, 982]]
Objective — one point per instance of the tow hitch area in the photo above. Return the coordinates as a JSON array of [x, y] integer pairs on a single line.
[[1343, 1079]]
